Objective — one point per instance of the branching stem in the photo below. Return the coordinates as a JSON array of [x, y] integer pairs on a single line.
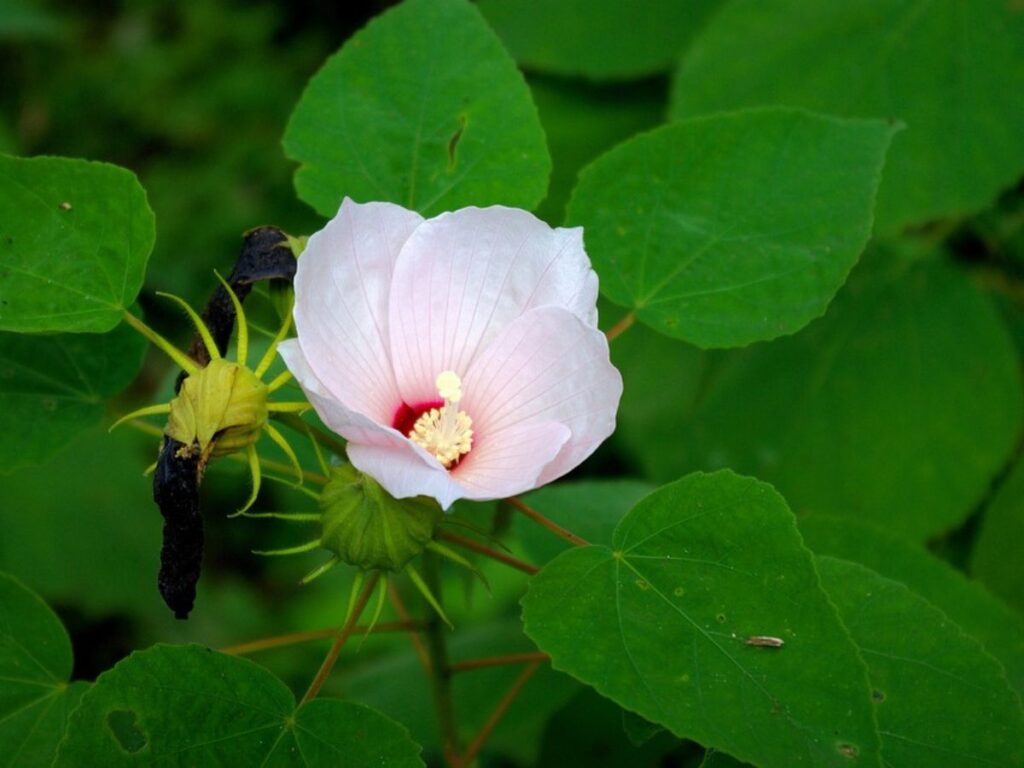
[[498, 661], [499, 711]]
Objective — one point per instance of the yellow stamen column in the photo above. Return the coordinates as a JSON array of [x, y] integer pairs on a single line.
[[446, 433]]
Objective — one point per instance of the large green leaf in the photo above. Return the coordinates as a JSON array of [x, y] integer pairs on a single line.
[[600, 39], [423, 108], [190, 706], [589, 508], [945, 67], [941, 699], [996, 556], [35, 664], [659, 623], [733, 228], [977, 612], [74, 240], [864, 414], [52, 387]]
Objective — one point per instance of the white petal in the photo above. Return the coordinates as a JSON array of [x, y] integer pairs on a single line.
[[511, 461], [341, 297], [463, 276], [399, 465], [402, 472], [545, 366]]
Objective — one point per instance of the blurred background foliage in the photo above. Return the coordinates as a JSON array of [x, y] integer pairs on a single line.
[[911, 383]]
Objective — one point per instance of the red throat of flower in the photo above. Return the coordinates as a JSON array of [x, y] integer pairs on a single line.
[[439, 426], [406, 415]]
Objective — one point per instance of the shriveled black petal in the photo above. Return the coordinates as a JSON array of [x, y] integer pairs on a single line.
[[265, 255], [176, 492]]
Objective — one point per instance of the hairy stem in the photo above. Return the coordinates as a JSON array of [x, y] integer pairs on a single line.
[[551, 525], [499, 661], [483, 549], [339, 642], [499, 711]]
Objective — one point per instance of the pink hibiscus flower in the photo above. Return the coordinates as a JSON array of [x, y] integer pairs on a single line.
[[459, 356]]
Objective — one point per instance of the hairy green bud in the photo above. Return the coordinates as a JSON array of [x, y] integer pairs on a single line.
[[365, 527], [221, 408]]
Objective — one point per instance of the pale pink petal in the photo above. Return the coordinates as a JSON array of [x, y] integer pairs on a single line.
[[403, 468], [341, 297], [510, 461], [463, 276], [546, 365], [402, 472]]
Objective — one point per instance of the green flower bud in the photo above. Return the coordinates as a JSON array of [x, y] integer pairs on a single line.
[[222, 408], [365, 527]]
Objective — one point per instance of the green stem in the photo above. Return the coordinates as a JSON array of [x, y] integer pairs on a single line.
[[441, 673], [182, 360], [346, 631], [299, 425]]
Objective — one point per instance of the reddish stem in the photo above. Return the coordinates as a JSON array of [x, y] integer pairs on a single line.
[[620, 327], [551, 525], [499, 711], [483, 549], [498, 661], [414, 635]]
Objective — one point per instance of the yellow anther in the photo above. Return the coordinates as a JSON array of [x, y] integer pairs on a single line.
[[446, 433], [449, 386]]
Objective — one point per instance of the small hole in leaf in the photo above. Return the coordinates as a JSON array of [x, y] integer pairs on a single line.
[[122, 724], [720, 618], [678, 591], [848, 750], [878, 696]]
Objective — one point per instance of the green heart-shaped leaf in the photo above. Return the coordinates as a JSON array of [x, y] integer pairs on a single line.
[[190, 706], [733, 228], [949, 69], [423, 108], [53, 387], [941, 699], [661, 622], [966, 602], [35, 664], [74, 240]]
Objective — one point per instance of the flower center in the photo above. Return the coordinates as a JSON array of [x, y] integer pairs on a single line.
[[446, 432]]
